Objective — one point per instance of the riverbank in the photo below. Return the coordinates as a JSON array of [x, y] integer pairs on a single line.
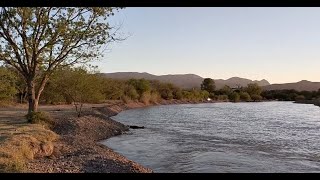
[[78, 148], [315, 102]]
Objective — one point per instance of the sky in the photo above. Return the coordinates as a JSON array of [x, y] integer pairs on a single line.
[[280, 45]]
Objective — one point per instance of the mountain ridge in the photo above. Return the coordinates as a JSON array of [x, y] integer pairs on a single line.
[[303, 85], [193, 81], [184, 80]]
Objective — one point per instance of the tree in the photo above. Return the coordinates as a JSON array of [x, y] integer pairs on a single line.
[[234, 97], [114, 89], [256, 97], [38, 40], [81, 87], [7, 84], [141, 85], [253, 89], [244, 96], [225, 90], [208, 84]]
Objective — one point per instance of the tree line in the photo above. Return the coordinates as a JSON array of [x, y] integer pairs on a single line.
[[84, 85], [79, 85]]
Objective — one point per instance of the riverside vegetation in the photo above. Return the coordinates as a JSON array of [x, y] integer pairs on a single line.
[[78, 85]]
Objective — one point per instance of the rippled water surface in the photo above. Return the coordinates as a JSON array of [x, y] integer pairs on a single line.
[[223, 137]]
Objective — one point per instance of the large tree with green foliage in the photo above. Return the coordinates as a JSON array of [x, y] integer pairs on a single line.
[[208, 84], [38, 40]]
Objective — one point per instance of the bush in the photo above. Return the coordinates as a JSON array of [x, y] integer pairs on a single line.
[[40, 118], [222, 98], [155, 97], [211, 95], [178, 94], [234, 97], [126, 99], [244, 96], [145, 97], [256, 97]]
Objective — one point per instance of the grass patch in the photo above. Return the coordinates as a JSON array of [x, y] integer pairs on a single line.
[[4, 104], [22, 142]]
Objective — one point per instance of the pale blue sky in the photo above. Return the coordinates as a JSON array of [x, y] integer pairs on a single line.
[[277, 44]]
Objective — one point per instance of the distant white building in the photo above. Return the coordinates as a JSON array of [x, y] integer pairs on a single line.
[[208, 99]]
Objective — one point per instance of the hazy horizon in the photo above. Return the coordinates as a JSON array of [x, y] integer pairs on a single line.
[[280, 45]]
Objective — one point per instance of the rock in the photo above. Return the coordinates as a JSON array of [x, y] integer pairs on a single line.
[[136, 127], [46, 149]]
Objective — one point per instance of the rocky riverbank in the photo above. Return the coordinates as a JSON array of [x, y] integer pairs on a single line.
[[78, 149]]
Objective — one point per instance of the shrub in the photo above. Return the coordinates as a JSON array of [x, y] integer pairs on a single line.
[[155, 97], [178, 94], [145, 97], [234, 97], [40, 118], [222, 98], [126, 99], [256, 97], [244, 96], [212, 96]]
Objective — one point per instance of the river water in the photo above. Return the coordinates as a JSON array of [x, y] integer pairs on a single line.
[[223, 137]]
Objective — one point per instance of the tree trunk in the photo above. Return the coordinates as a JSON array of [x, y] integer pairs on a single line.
[[33, 96], [33, 102], [21, 98]]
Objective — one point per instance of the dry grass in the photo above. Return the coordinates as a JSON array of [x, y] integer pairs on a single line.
[[4, 104], [21, 141]]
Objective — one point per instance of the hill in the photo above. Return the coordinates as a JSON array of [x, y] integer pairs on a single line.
[[186, 81], [303, 85]]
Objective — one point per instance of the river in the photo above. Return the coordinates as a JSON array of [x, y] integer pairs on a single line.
[[223, 137]]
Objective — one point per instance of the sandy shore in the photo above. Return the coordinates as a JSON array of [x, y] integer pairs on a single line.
[[78, 149]]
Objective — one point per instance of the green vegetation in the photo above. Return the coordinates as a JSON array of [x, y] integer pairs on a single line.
[[8, 87], [42, 118], [253, 90], [244, 96], [234, 97], [208, 85], [79, 85], [291, 95]]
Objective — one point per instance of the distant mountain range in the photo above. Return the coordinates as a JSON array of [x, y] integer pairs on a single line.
[[188, 81], [185, 80], [303, 85]]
